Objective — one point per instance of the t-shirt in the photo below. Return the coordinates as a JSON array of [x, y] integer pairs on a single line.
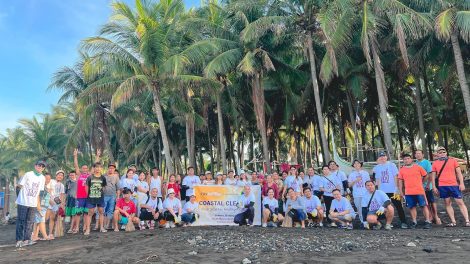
[[135, 177], [81, 186], [246, 200], [95, 189], [426, 165], [342, 205], [385, 174], [129, 183], [155, 203], [317, 182], [174, 203], [57, 189], [71, 188], [311, 203], [272, 203], [340, 174], [44, 197], [298, 204], [448, 176], [190, 181], [142, 195], [243, 183], [229, 181], [413, 179], [128, 207], [378, 200], [31, 186], [156, 183], [329, 183], [112, 185], [291, 182], [359, 188], [191, 206]]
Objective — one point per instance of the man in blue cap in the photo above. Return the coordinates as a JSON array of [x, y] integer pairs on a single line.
[[28, 203]]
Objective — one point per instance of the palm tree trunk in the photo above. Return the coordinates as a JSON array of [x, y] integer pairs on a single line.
[[221, 132], [435, 122], [258, 101], [464, 146], [106, 138], [161, 121], [419, 110], [383, 105], [461, 72], [353, 122], [316, 94]]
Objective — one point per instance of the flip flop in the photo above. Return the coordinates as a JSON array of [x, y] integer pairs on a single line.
[[70, 231], [451, 224]]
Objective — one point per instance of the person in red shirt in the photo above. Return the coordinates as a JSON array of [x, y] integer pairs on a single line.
[[270, 184], [172, 184], [125, 210], [410, 186], [448, 187]]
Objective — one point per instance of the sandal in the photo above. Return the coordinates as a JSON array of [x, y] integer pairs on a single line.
[[103, 230], [453, 224], [75, 231], [70, 231], [467, 224]]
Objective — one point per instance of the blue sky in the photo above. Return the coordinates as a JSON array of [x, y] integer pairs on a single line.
[[39, 37]]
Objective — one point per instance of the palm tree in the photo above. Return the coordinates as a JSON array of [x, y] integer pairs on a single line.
[[453, 22]]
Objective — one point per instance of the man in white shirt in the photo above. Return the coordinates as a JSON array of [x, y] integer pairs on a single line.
[[386, 178], [28, 203], [189, 181], [231, 178], [376, 205]]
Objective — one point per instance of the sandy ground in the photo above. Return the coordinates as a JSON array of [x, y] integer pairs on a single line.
[[258, 245]]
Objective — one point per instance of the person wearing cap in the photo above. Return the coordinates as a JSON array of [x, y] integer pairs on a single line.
[[357, 181], [111, 192], [230, 178], [172, 209], [209, 180], [189, 181], [56, 201], [246, 203], [28, 203], [335, 171], [125, 210], [243, 181], [219, 180], [151, 210], [376, 205], [410, 186], [341, 211], [385, 174], [445, 172], [189, 213], [427, 184]]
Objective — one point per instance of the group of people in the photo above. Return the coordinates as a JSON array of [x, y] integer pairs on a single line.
[[293, 198]]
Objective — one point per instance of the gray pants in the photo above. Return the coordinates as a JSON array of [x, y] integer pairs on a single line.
[[358, 204]]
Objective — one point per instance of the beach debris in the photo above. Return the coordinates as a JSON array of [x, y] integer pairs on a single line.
[[192, 241], [428, 249], [456, 240], [246, 261], [192, 253], [411, 244]]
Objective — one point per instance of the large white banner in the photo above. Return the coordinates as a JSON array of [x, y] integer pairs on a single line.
[[218, 204]]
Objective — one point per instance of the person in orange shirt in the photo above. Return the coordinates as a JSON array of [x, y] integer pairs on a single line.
[[447, 186], [410, 186]]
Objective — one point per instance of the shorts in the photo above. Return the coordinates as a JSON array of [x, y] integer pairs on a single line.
[[81, 206], [414, 200], [54, 208], [91, 205], [38, 218], [450, 192], [346, 217], [124, 220], [430, 196]]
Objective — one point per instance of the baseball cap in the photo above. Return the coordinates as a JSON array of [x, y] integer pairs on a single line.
[[208, 172], [170, 191], [441, 148], [59, 171], [41, 162], [382, 154]]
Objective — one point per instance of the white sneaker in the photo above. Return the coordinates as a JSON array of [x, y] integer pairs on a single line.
[[320, 224], [167, 225], [265, 225], [172, 224]]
